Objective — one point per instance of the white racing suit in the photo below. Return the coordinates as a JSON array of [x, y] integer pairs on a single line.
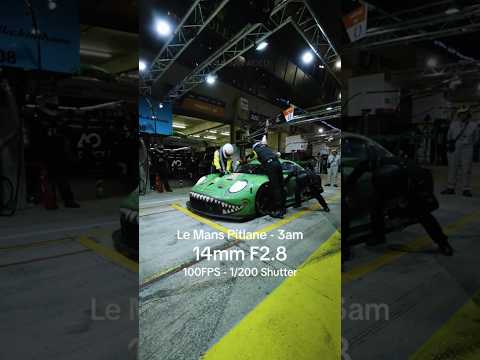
[[333, 162], [460, 161]]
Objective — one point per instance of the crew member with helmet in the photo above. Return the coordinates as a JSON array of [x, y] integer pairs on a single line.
[[222, 159]]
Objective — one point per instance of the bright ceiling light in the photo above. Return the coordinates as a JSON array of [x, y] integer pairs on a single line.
[[196, 136], [142, 66], [163, 28], [320, 130], [52, 4], [321, 66], [160, 106], [210, 137], [338, 64], [307, 57], [211, 79], [262, 46], [179, 126], [226, 133], [432, 62], [339, 96], [329, 108], [452, 10], [212, 131]]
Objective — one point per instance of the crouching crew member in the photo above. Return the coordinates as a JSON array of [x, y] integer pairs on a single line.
[[222, 160], [273, 169], [311, 182]]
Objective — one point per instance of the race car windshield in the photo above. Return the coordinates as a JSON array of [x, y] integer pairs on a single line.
[[250, 169]]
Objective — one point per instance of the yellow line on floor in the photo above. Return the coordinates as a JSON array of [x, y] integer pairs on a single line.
[[458, 338], [35, 244], [109, 254], [299, 320], [414, 245]]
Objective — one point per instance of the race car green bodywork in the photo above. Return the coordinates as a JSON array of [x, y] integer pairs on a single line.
[[240, 195]]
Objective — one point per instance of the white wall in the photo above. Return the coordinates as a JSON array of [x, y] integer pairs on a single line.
[[369, 83], [436, 105]]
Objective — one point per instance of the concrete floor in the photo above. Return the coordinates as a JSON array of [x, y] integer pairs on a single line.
[[429, 302], [182, 317], [56, 287]]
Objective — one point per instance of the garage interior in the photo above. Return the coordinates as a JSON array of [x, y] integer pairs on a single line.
[[228, 81], [60, 266], [405, 78]]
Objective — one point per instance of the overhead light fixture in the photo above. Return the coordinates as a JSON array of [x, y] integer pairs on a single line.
[[160, 106], [211, 79], [226, 133], [307, 57], [142, 66], [52, 4], [338, 64], [209, 137], [320, 130], [329, 108], [163, 28], [432, 62], [95, 53], [212, 131], [321, 66], [339, 96], [179, 126], [452, 10], [196, 136], [262, 46]]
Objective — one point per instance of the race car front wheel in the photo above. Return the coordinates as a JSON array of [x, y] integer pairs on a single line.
[[262, 201]]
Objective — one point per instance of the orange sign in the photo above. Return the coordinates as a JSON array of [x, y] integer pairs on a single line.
[[288, 113], [356, 23]]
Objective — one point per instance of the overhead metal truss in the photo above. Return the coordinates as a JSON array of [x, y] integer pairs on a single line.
[[427, 22], [295, 12], [235, 47], [308, 26], [195, 20]]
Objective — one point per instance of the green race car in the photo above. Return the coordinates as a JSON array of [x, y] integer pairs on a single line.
[[243, 194]]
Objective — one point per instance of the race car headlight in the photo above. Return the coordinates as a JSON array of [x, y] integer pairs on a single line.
[[201, 180], [238, 186]]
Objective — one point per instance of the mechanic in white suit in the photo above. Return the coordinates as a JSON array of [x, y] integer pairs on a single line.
[[333, 162], [461, 138]]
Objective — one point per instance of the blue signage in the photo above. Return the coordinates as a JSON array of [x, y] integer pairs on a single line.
[[154, 117], [40, 35]]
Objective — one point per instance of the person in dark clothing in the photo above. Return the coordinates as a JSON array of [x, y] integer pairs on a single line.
[[56, 157], [419, 200], [159, 167], [273, 169], [308, 180]]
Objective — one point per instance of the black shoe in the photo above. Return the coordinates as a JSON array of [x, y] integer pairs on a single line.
[[467, 193], [327, 209], [335, 185], [448, 191], [277, 215], [327, 184], [72, 204], [445, 248]]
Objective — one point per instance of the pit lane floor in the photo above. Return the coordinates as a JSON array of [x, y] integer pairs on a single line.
[[227, 317], [403, 300], [59, 272]]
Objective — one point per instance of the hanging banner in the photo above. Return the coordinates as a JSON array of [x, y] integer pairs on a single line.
[[356, 23], [288, 113], [40, 35]]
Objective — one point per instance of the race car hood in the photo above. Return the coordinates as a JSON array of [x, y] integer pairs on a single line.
[[218, 186]]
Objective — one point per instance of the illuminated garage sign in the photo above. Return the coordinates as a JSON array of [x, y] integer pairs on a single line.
[[41, 35]]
